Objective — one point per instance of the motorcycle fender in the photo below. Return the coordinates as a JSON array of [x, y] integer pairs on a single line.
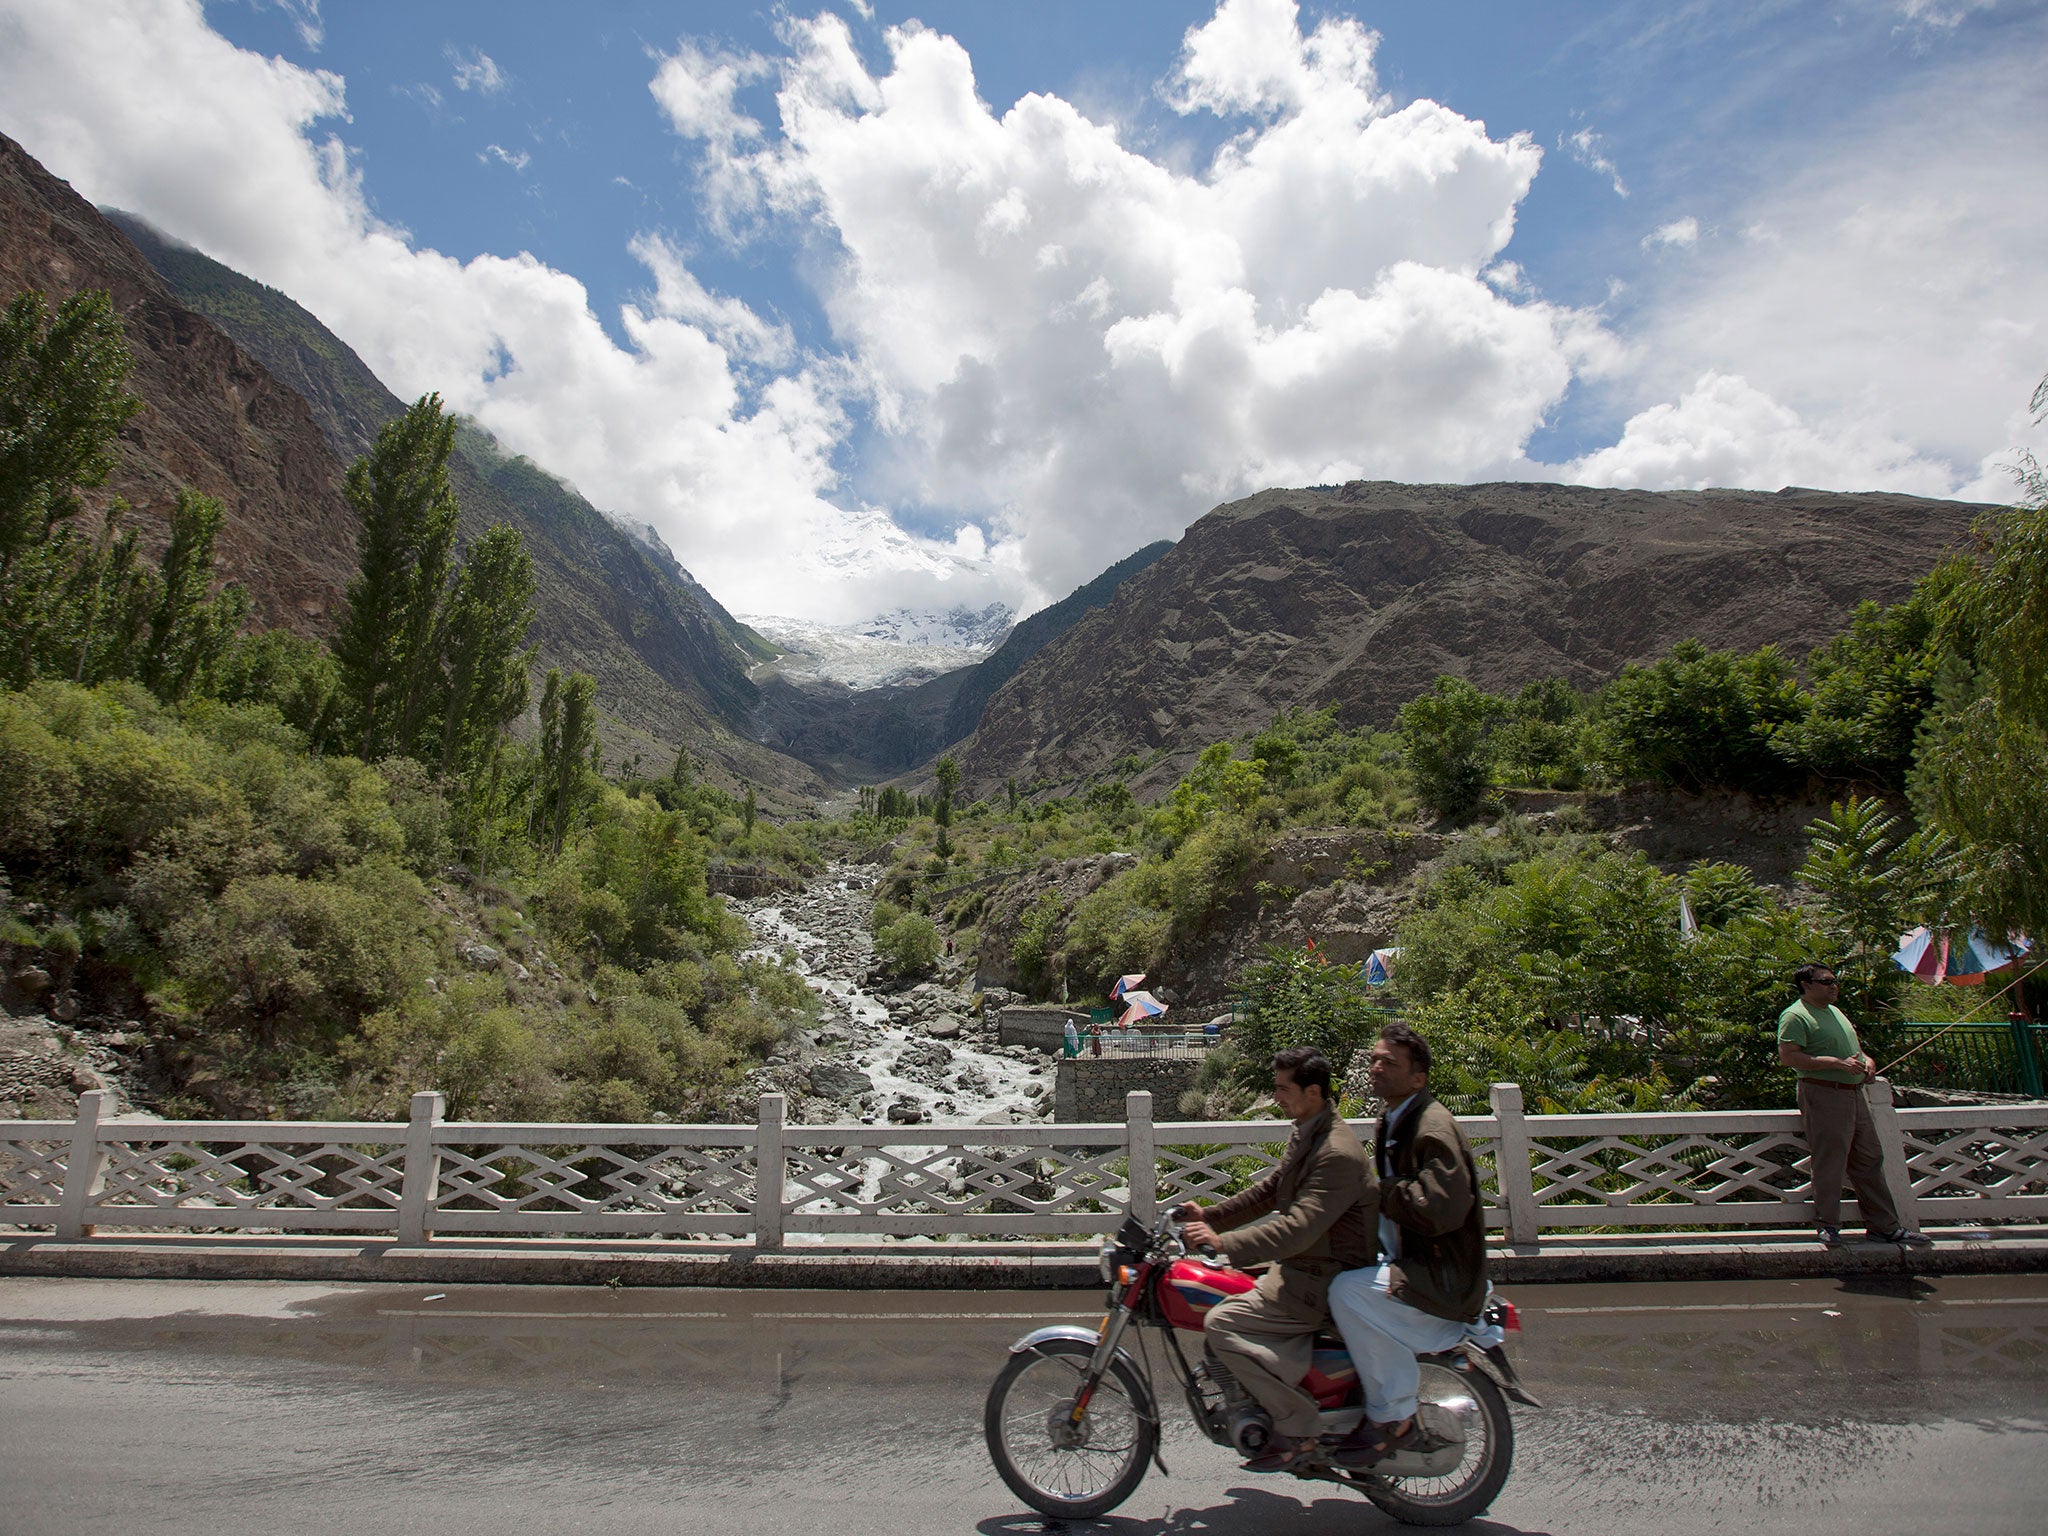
[[1039, 1336]]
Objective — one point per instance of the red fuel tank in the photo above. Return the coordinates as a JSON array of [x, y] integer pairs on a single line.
[[1190, 1288]]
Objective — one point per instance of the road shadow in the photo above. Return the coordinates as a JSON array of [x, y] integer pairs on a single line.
[[1902, 1287], [1249, 1512]]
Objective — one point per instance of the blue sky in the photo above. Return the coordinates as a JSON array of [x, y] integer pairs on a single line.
[[850, 337]]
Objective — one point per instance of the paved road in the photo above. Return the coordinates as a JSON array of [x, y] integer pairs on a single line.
[[217, 1409]]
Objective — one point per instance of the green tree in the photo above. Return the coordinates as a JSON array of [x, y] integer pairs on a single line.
[[568, 743], [948, 774], [1703, 719], [63, 400], [1450, 757], [1983, 757], [1297, 997], [386, 645], [189, 631], [488, 617]]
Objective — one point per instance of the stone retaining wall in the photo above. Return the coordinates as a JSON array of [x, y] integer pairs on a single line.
[[1042, 1029], [1091, 1089]]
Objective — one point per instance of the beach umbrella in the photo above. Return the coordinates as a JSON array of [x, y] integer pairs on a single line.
[[1143, 1005], [1126, 984], [1964, 962]]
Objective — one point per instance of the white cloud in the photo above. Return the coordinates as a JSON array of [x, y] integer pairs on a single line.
[[1084, 348], [1942, 15], [519, 159], [1724, 431], [477, 71], [305, 15], [1679, 232], [1585, 147], [1888, 290]]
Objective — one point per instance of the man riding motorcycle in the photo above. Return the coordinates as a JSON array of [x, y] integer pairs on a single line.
[[1432, 1239], [1322, 1201]]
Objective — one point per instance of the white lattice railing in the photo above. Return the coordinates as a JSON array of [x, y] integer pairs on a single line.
[[426, 1176]]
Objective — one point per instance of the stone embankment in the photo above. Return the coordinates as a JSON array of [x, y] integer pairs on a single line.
[[53, 1046], [905, 1054]]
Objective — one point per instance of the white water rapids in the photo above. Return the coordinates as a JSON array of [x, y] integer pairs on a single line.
[[826, 925]]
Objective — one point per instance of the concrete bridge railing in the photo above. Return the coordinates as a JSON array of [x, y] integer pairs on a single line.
[[772, 1182]]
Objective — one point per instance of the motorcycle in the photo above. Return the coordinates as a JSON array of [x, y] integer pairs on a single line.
[[1072, 1421]]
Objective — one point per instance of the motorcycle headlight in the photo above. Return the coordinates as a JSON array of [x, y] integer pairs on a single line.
[[1105, 1259]]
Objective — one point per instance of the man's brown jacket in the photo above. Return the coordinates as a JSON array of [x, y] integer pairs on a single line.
[[1430, 1193], [1324, 1209]]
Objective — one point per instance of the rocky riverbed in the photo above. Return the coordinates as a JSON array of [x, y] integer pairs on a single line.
[[921, 1054]]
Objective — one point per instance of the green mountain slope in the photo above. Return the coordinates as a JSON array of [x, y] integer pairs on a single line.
[[671, 664]]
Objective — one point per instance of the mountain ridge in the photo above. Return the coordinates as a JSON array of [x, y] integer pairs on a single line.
[[1359, 595]]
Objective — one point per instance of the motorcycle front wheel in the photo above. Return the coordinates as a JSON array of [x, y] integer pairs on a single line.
[[1068, 1473], [1469, 1489]]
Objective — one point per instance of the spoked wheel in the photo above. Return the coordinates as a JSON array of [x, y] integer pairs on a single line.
[[1063, 1470], [1470, 1488]]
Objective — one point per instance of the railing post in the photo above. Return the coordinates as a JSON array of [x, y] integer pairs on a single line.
[[422, 1168], [1511, 1162], [83, 1170], [2030, 1065], [1891, 1138], [768, 1168], [1142, 1160]]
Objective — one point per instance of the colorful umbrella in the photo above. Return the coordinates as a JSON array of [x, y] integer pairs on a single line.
[[1126, 984], [1961, 962], [1379, 966], [1143, 1005]]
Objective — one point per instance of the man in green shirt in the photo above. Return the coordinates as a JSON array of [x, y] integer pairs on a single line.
[[1816, 1040]]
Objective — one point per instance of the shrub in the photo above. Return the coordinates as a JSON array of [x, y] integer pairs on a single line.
[[909, 946]]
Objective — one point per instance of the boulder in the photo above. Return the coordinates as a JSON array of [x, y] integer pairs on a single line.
[[482, 956], [840, 1080], [905, 1111], [946, 1026]]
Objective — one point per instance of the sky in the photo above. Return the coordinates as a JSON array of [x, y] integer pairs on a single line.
[[865, 305]]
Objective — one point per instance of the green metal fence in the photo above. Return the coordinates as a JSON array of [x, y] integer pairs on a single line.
[[1984, 1058]]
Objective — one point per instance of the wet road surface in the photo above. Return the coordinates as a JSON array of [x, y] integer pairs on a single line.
[[220, 1408]]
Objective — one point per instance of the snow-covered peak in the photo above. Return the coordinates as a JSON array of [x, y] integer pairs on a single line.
[[955, 629], [902, 646]]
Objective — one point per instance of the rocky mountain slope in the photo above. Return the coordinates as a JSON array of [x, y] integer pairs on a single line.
[[671, 664], [1358, 595], [213, 419], [877, 733]]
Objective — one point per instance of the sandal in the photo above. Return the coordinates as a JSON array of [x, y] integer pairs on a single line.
[[1282, 1452], [1370, 1444]]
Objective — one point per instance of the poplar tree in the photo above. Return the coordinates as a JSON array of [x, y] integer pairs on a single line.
[[63, 400], [568, 748], [387, 645], [189, 631], [484, 642]]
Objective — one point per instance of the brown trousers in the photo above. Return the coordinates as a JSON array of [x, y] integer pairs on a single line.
[[1841, 1139], [1266, 1339]]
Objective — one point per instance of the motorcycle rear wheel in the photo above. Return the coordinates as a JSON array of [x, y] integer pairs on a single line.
[[1026, 1405], [1469, 1490]]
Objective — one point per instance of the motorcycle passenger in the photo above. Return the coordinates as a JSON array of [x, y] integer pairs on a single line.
[[1433, 1240], [1320, 1202]]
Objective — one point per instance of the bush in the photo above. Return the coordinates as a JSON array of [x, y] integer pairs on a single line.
[[1297, 997], [909, 946]]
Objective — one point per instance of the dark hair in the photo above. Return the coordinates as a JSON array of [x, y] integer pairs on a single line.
[[1404, 1035], [1309, 1067], [1803, 977]]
